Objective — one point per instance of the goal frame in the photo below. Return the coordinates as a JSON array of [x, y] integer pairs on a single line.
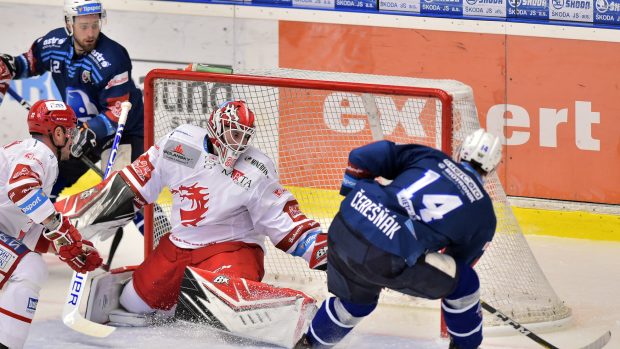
[[149, 108]]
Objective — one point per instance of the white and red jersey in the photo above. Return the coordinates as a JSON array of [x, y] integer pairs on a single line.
[[28, 171], [210, 204]]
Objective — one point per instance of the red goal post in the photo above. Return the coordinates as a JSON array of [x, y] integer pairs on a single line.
[[308, 121]]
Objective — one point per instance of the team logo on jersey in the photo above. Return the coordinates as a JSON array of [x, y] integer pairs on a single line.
[[279, 192], [198, 199], [181, 153], [86, 76], [293, 210], [22, 170], [142, 169]]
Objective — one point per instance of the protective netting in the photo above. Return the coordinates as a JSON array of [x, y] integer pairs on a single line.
[[308, 127]]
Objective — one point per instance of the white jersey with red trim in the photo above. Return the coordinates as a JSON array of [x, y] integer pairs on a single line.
[[210, 204], [28, 170]]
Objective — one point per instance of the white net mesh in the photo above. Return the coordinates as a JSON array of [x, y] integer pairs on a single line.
[[309, 129]]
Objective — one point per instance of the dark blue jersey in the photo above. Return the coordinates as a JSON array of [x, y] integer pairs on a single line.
[[94, 84], [432, 202]]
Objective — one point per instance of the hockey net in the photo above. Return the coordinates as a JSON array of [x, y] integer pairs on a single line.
[[308, 121]]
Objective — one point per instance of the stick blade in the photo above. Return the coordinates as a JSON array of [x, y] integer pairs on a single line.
[[600, 342], [78, 323]]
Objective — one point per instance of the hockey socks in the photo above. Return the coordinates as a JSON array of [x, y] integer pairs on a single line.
[[461, 311], [334, 320]]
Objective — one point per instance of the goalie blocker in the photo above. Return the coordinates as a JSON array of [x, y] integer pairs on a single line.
[[100, 210], [241, 307]]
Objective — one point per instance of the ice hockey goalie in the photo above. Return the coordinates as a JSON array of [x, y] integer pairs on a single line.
[[226, 199]]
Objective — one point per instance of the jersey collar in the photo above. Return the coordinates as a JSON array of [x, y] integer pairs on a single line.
[[208, 146], [470, 168]]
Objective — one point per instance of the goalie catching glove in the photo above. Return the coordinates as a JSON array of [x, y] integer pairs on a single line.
[[79, 254], [7, 72], [7, 67]]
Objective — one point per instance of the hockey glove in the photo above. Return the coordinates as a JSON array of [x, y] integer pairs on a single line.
[[84, 142], [313, 248], [7, 72], [66, 240], [7, 67], [351, 175], [318, 260], [79, 254], [88, 260]]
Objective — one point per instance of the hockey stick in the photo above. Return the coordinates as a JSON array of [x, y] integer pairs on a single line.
[[18, 98], [597, 344], [71, 311]]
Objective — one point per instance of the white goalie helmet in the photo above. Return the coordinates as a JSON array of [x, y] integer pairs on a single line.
[[75, 8], [482, 147], [231, 129]]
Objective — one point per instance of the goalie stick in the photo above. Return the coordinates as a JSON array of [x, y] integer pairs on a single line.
[[597, 344], [71, 316]]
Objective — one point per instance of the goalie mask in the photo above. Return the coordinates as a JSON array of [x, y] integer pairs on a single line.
[[483, 148], [74, 8], [231, 129]]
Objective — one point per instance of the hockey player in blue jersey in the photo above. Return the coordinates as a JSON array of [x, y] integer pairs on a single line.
[[389, 235], [93, 74]]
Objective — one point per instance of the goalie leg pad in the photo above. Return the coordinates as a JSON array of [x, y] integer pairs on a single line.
[[100, 210], [245, 308], [104, 295]]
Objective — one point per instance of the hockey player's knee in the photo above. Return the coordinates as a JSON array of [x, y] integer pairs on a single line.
[[461, 310], [132, 302], [32, 271], [334, 320]]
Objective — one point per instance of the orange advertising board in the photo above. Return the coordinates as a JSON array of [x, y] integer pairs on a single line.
[[554, 101]]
